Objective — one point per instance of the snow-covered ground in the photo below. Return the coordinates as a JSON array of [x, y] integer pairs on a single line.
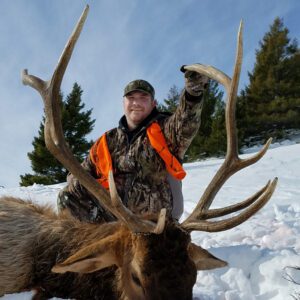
[[260, 251]]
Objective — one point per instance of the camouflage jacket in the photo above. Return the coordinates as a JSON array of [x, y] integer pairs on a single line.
[[139, 172]]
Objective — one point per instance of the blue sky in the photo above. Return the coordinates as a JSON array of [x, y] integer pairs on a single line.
[[122, 40]]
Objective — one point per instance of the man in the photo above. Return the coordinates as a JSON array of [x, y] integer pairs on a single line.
[[145, 153]]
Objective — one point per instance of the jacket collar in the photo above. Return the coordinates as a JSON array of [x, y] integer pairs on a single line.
[[132, 134], [147, 121]]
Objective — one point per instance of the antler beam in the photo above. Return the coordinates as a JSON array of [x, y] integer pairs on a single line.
[[232, 163], [56, 144]]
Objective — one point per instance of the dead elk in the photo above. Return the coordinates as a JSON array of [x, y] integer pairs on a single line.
[[133, 258], [110, 261]]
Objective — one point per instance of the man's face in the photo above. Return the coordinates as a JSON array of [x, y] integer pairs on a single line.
[[137, 107]]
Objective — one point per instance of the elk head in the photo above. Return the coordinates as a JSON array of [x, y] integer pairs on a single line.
[[150, 265], [155, 259]]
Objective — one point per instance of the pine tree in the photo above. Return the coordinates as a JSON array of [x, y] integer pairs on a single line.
[[76, 125], [171, 102], [211, 137], [271, 102], [215, 143]]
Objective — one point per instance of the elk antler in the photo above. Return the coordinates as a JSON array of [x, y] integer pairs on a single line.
[[56, 144], [198, 218]]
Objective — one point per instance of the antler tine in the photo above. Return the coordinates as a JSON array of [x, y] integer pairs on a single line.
[[215, 226], [232, 162], [54, 137], [220, 212], [232, 140], [124, 214]]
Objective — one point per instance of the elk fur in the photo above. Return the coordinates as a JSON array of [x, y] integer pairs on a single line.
[[34, 238], [35, 241]]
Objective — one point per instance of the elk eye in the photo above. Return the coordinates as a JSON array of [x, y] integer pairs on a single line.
[[135, 279]]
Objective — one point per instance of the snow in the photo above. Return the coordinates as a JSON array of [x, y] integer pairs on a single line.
[[260, 251]]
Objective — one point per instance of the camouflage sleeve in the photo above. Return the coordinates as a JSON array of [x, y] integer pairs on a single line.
[[180, 128], [74, 186]]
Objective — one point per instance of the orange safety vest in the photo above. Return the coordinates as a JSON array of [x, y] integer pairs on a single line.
[[101, 157]]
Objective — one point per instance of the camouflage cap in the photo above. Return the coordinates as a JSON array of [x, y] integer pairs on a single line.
[[139, 85]]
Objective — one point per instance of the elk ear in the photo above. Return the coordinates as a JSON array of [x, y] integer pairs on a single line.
[[203, 259], [94, 257]]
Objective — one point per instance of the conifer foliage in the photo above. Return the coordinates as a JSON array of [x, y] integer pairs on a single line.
[[76, 125], [211, 137], [171, 102], [271, 102]]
